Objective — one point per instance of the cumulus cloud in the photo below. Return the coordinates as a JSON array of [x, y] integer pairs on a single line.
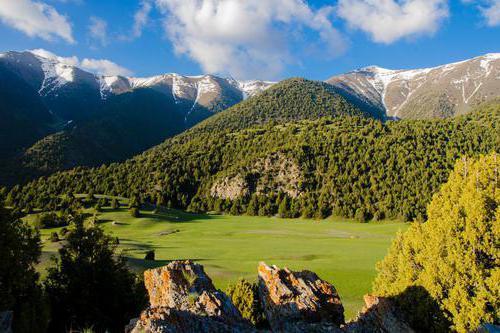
[[490, 9], [141, 18], [72, 61], [98, 30], [492, 13], [36, 19], [97, 66], [250, 38], [104, 67], [387, 21]]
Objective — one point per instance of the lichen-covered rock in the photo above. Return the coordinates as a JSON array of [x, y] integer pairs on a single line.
[[298, 301], [184, 299], [378, 316]]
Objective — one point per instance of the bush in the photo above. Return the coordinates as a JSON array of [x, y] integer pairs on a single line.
[[361, 215], [115, 204], [454, 255], [64, 231], [135, 212], [150, 255], [54, 237], [51, 220], [245, 297]]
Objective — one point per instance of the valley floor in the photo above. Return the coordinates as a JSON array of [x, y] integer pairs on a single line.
[[340, 251]]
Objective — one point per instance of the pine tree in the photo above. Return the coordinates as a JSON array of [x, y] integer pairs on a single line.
[[454, 256]]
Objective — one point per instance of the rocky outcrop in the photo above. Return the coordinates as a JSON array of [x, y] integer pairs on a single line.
[[294, 301], [230, 188], [184, 299], [275, 173]]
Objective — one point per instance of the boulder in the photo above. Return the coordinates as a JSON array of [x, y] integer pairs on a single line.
[[183, 299], [298, 301]]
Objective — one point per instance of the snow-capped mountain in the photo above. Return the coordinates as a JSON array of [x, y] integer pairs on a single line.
[[56, 80], [441, 91]]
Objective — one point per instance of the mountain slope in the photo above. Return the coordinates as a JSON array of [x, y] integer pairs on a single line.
[[346, 165], [438, 92], [23, 116], [289, 100]]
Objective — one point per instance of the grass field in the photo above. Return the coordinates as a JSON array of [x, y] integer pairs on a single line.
[[340, 251]]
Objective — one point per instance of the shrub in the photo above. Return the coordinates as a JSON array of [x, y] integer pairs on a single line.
[[150, 255], [54, 237], [245, 298], [64, 231], [454, 255], [115, 204], [361, 215], [135, 212]]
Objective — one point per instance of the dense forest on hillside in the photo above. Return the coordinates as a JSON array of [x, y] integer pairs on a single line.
[[348, 165]]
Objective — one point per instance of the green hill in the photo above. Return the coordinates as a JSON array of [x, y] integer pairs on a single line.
[[349, 165]]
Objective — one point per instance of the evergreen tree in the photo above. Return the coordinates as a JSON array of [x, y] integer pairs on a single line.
[[20, 250], [90, 286], [454, 256]]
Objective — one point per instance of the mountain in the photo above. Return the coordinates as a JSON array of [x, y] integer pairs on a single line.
[[438, 92], [289, 100], [71, 94], [55, 116]]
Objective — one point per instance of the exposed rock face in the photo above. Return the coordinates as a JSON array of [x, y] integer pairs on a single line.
[[294, 301], [280, 173], [230, 188], [184, 299], [272, 174]]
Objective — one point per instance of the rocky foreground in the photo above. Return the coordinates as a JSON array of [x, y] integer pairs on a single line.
[[183, 299]]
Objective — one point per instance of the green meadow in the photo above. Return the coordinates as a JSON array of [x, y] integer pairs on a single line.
[[340, 251]]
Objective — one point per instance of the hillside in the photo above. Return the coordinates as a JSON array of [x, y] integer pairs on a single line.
[[135, 121], [289, 100], [438, 92], [54, 116], [348, 165]]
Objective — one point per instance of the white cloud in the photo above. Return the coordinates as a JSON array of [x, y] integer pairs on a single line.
[[250, 38], [35, 19], [490, 9], [387, 21], [72, 61], [98, 30], [98, 66], [141, 18], [104, 67], [492, 13]]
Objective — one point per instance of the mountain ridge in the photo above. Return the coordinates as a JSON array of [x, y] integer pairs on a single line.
[[457, 86]]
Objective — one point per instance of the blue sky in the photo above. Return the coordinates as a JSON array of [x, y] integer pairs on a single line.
[[260, 39]]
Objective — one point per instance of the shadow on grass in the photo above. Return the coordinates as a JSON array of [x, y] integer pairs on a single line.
[[142, 264], [164, 214]]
